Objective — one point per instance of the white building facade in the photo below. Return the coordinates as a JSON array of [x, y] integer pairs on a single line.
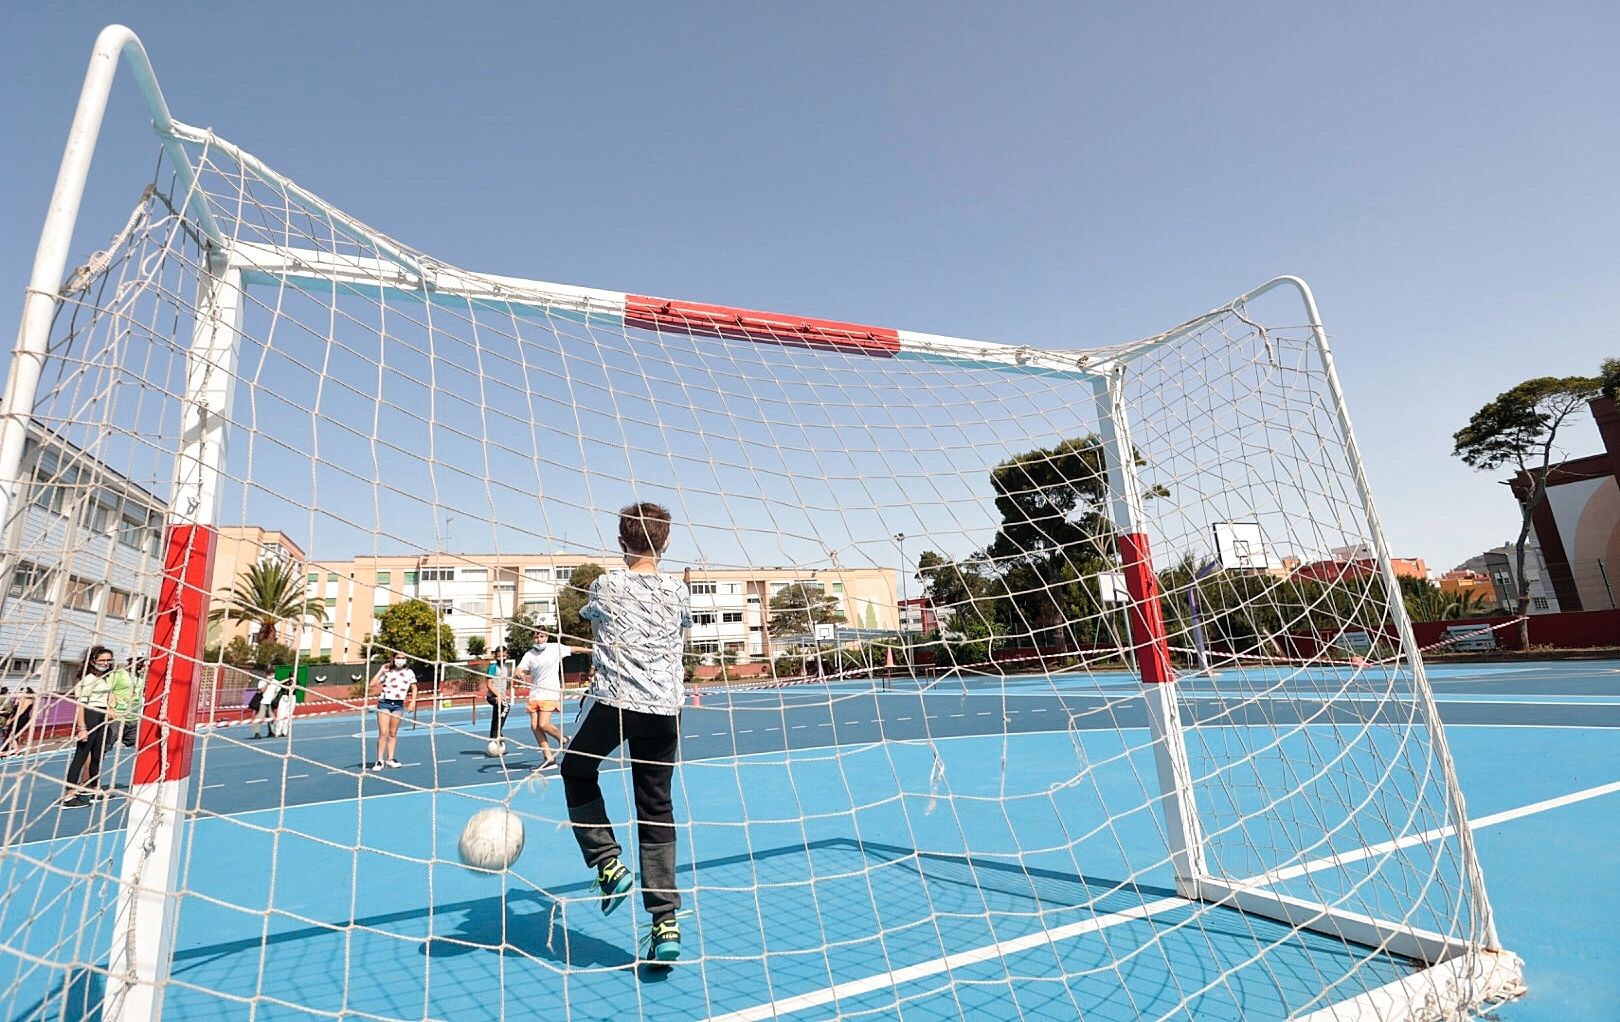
[[88, 561]]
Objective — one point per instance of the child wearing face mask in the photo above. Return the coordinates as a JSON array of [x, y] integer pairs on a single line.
[[394, 685], [93, 697]]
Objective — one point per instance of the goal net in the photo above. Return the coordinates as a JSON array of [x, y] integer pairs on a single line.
[[1027, 680]]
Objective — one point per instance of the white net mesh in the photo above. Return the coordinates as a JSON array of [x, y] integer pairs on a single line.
[[924, 778]]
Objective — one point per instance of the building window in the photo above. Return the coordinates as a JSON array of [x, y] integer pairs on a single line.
[[331, 601], [702, 588], [378, 611], [731, 588], [443, 606], [563, 574], [703, 619], [537, 574], [314, 577], [437, 575], [31, 582], [81, 594], [117, 603], [410, 578], [753, 628], [475, 574], [129, 531], [731, 617], [838, 587], [706, 646], [384, 577], [1539, 602]]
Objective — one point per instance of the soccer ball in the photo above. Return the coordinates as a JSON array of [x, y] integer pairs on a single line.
[[492, 840], [497, 747]]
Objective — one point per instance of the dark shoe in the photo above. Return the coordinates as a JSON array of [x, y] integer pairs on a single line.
[[664, 942], [76, 802], [613, 880]]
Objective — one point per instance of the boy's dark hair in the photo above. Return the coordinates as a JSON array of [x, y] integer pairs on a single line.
[[644, 528]]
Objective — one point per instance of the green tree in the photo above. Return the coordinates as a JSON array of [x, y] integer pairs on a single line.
[[796, 609], [1609, 379], [238, 652], [476, 646], [1054, 533], [571, 599], [266, 594], [521, 632], [415, 629], [1519, 428]]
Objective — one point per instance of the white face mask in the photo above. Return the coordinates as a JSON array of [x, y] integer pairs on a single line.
[[399, 661]]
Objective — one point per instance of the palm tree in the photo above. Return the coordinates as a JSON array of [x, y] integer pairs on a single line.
[[268, 593]]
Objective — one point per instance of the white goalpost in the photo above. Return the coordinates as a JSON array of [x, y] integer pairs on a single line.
[[1282, 838]]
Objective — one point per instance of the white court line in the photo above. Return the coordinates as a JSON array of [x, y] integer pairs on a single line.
[[852, 988]]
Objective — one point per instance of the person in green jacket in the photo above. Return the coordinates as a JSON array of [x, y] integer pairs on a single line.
[[93, 699], [124, 710]]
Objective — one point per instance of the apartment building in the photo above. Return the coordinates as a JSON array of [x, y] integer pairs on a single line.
[[479, 594], [93, 541]]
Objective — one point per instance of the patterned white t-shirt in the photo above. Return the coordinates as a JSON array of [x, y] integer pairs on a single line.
[[637, 644], [397, 682]]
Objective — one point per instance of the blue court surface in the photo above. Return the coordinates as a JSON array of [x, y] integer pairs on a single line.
[[911, 850]]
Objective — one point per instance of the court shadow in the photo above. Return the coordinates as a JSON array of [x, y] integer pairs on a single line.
[[531, 923], [77, 996]]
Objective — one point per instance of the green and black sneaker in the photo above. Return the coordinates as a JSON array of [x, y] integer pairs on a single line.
[[664, 942], [613, 880]]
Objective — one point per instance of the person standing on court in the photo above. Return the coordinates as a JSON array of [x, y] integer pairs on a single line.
[[93, 696], [498, 691], [639, 618]]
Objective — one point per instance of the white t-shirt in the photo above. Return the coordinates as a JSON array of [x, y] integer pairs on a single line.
[[397, 682], [544, 664]]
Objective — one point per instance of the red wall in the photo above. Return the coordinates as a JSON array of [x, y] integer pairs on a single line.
[[1578, 630]]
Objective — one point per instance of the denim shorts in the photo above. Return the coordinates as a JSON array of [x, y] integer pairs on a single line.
[[394, 706]]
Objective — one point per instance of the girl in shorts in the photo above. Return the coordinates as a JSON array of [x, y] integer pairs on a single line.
[[541, 668], [395, 685]]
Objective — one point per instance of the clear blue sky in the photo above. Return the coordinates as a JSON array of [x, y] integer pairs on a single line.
[[1447, 176]]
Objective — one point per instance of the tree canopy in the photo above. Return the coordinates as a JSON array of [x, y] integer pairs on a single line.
[[571, 599], [1520, 425], [266, 594], [796, 609], [414, 628]]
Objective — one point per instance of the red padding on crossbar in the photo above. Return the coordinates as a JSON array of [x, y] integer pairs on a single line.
[[749, 325], [168, 719], [1147, 620]]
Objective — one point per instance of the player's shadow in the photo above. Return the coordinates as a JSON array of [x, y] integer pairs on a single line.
[[531, 923], [77, 996]]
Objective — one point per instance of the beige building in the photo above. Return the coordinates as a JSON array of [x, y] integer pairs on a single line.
[[479, 594]]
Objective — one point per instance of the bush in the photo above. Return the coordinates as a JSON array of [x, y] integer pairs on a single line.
[[476, 646], [787, 666]]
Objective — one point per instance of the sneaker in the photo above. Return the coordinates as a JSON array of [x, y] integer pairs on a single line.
[[613, 880], [664, 942], [394, 764], [76, 802], [377, 765]]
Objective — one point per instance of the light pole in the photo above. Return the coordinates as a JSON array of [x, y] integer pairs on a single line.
[[905, 639]]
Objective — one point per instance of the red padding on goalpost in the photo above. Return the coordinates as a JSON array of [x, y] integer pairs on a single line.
[[168, 719], [1147, 620], [749, 325]]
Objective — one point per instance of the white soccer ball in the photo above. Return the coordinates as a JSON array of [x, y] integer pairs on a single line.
[[497, 747], [492, 840]]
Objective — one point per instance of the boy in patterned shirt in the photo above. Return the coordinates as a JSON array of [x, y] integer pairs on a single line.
[[639, 618]]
